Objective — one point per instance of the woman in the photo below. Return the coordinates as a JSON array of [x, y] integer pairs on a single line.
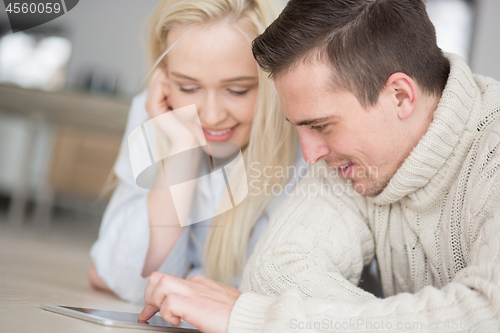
[[203, 53]]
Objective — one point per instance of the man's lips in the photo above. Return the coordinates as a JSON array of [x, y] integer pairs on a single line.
[[345, 169], [340, 166]]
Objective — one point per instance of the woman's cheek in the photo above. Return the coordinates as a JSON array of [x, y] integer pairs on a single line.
[[177, 100], [252, 105], [245, 110], [244, 137]]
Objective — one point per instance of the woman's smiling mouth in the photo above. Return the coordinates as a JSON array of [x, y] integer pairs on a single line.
[[219, 135]]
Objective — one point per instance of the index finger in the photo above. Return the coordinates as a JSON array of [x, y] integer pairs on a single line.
[[148, 312], [160, 285]]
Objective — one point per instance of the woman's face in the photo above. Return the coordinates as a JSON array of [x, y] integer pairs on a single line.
[[213, 67]]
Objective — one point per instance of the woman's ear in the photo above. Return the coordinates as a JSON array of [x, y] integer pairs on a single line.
[[404, 92]]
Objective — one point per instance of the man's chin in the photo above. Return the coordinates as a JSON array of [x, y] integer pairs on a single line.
[[366, 188]]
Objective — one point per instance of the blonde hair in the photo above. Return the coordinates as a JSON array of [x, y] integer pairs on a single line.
[[272, 140]]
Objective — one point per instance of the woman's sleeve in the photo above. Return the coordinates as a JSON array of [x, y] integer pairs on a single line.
[[121, 248]]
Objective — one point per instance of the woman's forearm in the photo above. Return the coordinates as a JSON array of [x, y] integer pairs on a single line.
[[165, 227]]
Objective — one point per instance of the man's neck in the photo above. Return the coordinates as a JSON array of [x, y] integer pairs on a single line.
[[425, 109]]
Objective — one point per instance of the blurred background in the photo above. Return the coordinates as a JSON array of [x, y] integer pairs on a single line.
[[65, 89]]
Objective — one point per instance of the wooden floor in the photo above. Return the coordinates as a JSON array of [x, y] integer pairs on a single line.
[[49, 266]]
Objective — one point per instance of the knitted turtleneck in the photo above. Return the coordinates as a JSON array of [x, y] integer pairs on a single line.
[[434, 163], [435, 230]]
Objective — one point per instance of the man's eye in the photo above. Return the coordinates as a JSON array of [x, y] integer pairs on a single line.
[[238, 92], [319, 128]]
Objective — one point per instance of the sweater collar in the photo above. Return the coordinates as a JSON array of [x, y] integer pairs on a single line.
[[434, 163]]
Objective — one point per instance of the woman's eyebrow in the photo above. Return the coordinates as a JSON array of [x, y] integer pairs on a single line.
[[182, 76], [241, 78], [235, 79]]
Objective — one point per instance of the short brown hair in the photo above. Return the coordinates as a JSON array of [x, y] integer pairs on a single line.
[[366, 41]]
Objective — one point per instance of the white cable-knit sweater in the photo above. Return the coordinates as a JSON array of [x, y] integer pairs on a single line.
[[435, 230]]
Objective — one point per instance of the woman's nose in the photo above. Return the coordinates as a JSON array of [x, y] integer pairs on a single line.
[[212, 110]]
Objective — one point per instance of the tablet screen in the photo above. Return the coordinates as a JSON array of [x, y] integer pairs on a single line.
[[120, 317]]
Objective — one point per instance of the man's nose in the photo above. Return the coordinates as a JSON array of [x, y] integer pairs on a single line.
[[211, 111], [314, 147]]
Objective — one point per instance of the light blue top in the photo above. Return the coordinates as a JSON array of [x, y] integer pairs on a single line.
[[120, 251]]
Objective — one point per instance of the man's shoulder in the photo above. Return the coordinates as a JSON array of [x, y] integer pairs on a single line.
[[487, 139], [486, 83], [482, 167], [490, 104]]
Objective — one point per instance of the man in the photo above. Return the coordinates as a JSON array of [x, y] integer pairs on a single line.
[[417, 136]]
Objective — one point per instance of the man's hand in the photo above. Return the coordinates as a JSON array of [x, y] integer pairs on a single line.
[[199, 301]]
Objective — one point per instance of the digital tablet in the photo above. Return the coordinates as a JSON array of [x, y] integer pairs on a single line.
[[120, 319]]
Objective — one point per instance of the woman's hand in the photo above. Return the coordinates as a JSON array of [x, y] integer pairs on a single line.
[[182, 127], [183, 134], [199, 301], [96, 281], [158, 99], [158, 103]]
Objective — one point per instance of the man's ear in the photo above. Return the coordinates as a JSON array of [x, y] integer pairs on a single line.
[[404, 93]]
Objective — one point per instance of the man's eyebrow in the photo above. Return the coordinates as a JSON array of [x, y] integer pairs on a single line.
[[314, 121]]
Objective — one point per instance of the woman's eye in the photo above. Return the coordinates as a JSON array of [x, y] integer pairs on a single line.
[[238, 92], [188, 90]]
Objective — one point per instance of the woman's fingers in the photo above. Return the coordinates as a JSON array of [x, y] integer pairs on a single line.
[[177, 126], [157, 101], [180, 127]]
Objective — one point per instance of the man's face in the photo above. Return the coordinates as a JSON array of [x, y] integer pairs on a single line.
[[366, 145]]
